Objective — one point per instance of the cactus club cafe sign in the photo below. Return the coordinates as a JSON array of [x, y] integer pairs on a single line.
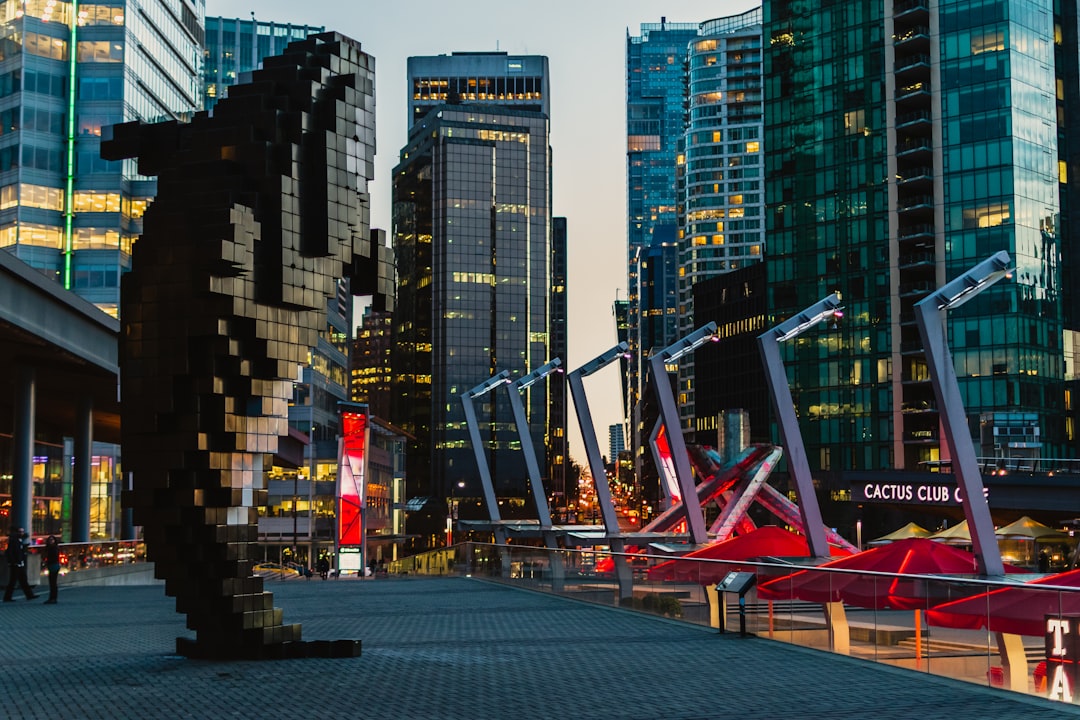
[[907, 493]]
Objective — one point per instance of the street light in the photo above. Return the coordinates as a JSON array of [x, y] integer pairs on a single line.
[[928, 316], [588, 430], [514, 391], [784, 406], [478, 447], [669, 413], [460, 485]]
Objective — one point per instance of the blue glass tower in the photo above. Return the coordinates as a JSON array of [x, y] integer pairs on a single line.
[[904, 143]]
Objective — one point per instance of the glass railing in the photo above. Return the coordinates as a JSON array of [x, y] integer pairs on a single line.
[[81, 557], [995, 633]]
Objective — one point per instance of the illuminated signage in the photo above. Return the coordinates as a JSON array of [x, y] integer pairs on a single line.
[[351, 480], [1062, 651], [907, 493]]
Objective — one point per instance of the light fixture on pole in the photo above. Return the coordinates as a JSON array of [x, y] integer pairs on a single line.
[[784, 407]]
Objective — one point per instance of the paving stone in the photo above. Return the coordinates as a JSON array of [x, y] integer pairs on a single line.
[[449, 649]]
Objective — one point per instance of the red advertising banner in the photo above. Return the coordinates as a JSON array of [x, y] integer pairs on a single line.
[[351, 480]]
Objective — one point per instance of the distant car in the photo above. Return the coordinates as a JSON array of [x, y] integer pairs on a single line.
[[271, 568]]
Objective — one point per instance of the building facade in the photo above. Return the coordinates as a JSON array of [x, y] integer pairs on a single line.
[[63, 77], [235, 46], [370, 362], [478, 78], [904, 143], [719, 171], [471, 232], [655, 117], [559, 346]]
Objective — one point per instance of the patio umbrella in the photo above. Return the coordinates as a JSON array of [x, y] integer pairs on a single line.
[[914, 556], [956, 535], [1019, 610], [908, 531], [767, 541], [1026, 528]]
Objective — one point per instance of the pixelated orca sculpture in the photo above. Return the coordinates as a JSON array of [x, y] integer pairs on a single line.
[[258, 210]]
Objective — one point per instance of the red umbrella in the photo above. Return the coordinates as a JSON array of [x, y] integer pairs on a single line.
[[762, 542], [914, 556], [1019, 610]]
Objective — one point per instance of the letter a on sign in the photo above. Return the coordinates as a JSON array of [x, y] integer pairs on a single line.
[[1059, 684]]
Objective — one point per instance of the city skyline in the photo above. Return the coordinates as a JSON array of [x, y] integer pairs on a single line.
[[588, 128]]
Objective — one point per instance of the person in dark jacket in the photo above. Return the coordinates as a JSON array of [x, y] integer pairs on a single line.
[[52, 562], [16, 561]]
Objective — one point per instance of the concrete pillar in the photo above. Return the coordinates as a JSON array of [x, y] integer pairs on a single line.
[[127, 516], [1013, 661], [80, 486], [839, 634], [22, 484]]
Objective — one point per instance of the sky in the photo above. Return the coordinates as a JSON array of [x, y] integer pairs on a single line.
[[585, 42]]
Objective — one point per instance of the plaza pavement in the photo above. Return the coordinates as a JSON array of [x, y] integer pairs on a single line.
[[445, 649]]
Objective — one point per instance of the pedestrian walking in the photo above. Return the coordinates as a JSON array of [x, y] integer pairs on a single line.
[[52, 563], [16, 562]]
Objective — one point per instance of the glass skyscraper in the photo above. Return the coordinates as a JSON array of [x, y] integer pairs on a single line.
[[905, 142], [655, 96], [66, 71], [719, 170], [471, 232], [235, 46]]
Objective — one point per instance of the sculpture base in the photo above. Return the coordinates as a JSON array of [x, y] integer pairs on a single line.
[[189, 648]]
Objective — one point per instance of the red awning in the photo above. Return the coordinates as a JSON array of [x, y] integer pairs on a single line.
[[1020, 610], [767, 541], [914, 556]]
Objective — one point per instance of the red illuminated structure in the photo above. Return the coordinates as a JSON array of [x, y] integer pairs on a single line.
[[352, 487]]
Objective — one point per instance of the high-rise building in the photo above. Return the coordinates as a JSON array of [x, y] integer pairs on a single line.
[[235, 46], [370, 362], [478, 78], [655, 98], [559, 346], [616, 442], [655, 117], [904, 143], [64, 76], [719, 170], [471, 233]]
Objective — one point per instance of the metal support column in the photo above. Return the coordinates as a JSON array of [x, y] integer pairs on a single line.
[[22, 483], [929, 317], [596, 463], [80, 481], [536, 482], [669, 413], [784, 406], [478, 448]]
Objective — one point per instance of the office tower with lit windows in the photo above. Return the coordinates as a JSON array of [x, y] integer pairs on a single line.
[[655, 117], [478, 78], [64, 76], [557, 442], [235, 46], [905, 143], [719, 174], [471, 234], [370, 362], [655, 98]]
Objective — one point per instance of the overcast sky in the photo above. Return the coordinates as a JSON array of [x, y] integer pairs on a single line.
[[585, 42]]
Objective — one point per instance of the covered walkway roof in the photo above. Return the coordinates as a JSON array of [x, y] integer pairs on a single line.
[[70, 343]]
